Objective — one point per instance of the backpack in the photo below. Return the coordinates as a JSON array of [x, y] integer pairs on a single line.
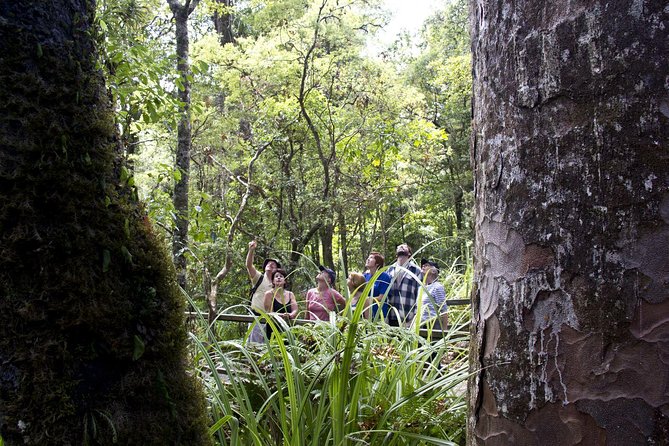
[[255, 287]]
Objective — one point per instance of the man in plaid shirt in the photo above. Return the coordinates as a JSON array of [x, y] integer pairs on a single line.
[[404, 287]]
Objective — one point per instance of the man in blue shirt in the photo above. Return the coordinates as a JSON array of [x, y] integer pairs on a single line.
[[373, 263]]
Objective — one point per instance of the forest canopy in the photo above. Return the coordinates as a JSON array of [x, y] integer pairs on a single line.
[[301, 137]]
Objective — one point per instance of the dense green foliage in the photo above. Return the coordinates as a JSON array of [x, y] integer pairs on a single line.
[[352, 152], [322, 152]]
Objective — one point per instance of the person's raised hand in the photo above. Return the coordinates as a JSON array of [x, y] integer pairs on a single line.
[[253, 244]]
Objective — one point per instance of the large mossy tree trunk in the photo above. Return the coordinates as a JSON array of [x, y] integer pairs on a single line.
[[92, 341], [570, 339]]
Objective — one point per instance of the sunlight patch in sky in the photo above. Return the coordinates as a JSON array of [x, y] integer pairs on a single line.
[[406, 15]]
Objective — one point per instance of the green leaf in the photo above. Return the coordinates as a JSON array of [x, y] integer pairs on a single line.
[[135, 127], [216, 426], [126, 254], [138, 348], [125, 174], [117, 57]]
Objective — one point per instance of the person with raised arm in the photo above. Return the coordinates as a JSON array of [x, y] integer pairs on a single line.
[[261, 283]]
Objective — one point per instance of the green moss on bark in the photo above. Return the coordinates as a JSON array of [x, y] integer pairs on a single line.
[[92, 340]]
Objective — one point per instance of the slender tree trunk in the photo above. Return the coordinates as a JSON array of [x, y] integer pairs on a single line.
[[570, 339], [92, 347], [223, 21], [211, 285], [343, 241], [365, 241], [458, 207], [326, 234], [182, 164]]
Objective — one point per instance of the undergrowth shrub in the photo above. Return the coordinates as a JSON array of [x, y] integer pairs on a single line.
[[346, 381]]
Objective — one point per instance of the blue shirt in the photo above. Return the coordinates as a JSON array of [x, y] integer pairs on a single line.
[[380, 287]]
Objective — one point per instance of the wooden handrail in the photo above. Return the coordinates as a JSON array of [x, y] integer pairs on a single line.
[[249, 318]]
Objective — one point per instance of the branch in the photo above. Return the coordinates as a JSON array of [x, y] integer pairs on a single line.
[[168, 230], [239, 178], [192, 6], [196, 131], [235, 221], [310, 234]]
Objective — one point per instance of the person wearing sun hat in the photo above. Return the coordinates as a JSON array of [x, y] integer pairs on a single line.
[[324, 298], [434, 299], [425, 265], [261, 284]]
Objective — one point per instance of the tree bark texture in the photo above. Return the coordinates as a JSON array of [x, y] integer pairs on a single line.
[[92, 346], [570, 145], [223, 21], [326, 236]]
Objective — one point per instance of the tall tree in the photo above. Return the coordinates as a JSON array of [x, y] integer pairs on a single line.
[[571, 316], [184, 137], [135, 66], [223, 20], [442, 72], [92, 347]]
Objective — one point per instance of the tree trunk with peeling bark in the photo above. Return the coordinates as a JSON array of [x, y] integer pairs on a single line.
[[570, 336], [92, 344]]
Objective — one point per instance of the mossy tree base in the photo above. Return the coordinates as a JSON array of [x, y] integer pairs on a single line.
[[92, 344]]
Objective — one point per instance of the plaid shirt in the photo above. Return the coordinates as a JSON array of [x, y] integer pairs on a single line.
[[403, 293]]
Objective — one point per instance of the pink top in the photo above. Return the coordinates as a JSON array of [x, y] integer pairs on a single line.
[[320, 303]]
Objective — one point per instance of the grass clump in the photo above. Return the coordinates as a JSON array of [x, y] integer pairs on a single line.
[[347, 381]]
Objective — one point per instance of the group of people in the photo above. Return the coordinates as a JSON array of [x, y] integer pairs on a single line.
[[394, 293]]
